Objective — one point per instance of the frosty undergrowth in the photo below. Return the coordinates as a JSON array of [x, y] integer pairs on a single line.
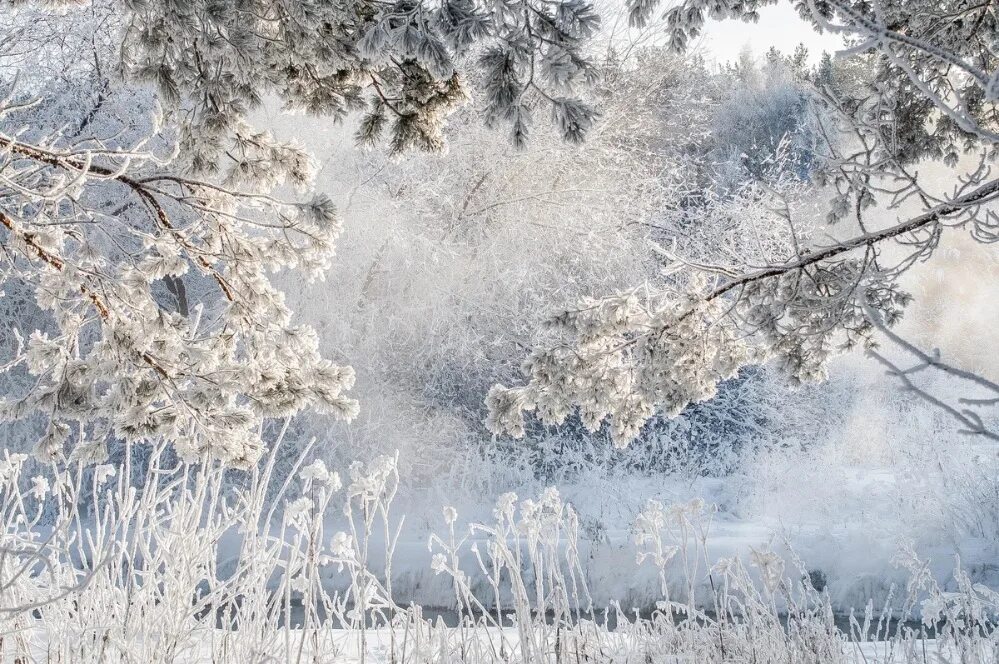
[[180, 569]]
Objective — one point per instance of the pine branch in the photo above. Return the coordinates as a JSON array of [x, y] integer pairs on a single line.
[[68, 162], [59, 264], [929, 218]]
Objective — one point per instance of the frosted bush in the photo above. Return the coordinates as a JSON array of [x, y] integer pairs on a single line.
[[176, 569]]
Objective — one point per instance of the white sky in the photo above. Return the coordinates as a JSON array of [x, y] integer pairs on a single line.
[[779, 26]]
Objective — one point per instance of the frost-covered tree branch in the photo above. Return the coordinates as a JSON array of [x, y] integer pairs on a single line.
[[975, 414], [927, 94], [94, 231], [404, 65]]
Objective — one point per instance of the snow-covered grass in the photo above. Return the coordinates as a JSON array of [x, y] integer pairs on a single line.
[[181, 567]]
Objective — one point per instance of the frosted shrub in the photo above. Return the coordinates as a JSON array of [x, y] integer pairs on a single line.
[[154, 569], [177, 568]]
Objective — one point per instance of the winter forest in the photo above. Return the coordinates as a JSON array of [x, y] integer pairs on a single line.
[[499, 331]]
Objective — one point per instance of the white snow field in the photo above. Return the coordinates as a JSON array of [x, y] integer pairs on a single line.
[[490, 644]]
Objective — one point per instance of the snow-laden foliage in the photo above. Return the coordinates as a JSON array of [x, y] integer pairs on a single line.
[[156, 316], [452, 263], [926, 91], [398, 62], [623, 356]]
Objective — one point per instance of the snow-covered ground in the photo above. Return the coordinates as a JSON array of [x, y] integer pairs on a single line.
[[490, 644]]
